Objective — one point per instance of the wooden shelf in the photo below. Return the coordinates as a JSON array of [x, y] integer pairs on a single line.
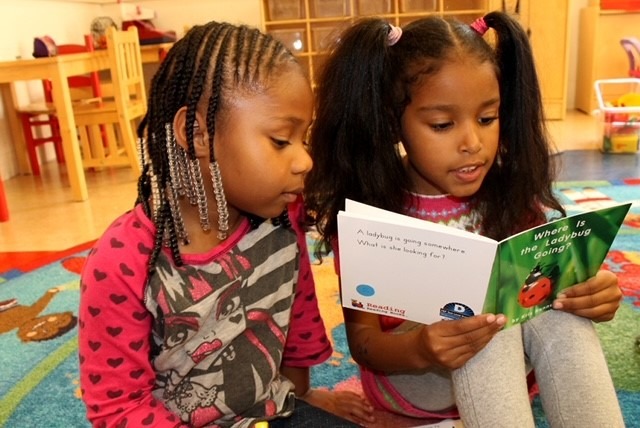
[[305, 27], [600, 55], [548, 26], [308, 26]]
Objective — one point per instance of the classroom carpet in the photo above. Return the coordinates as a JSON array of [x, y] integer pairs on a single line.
[[39, 370]]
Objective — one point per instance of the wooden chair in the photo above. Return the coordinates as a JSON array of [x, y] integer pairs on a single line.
[[119, 115], [35, 118]]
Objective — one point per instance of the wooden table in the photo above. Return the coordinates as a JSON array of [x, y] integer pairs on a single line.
[[58, 69], [154, 53]]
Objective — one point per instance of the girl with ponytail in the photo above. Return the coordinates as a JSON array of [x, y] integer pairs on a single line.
[[435, 122]]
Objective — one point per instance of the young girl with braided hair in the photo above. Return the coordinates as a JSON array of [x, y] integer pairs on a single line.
[[198, 306], [474, 155]]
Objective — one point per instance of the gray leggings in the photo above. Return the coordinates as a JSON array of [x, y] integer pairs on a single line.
[[491, 389]]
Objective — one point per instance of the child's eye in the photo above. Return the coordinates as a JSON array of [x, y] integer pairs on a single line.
[[440, 127], [486, 121], [280, 143]]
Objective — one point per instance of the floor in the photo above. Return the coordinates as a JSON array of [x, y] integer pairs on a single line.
[[582, 165], [43, 217]]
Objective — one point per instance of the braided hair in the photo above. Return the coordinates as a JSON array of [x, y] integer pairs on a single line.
[[210, 64]]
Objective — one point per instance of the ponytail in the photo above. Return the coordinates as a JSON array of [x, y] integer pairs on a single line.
[[353, 140], [524, 160]]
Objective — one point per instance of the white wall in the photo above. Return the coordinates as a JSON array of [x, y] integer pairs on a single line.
[[175, 15]]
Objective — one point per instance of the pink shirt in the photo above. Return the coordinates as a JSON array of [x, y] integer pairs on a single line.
[[197, 344]]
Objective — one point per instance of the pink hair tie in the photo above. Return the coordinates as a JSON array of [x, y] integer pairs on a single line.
[[394, 35], [479, 26]]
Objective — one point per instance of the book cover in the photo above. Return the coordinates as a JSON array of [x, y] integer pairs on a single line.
[[396, 265]]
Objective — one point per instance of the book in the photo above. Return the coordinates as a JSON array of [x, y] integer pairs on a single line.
[[396, 265]]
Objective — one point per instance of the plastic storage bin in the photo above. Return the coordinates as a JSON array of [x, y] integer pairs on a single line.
[[409, 6], [294, 39], [285, 9], [620, 117], [330, 8], [323, 37], [374, 7]]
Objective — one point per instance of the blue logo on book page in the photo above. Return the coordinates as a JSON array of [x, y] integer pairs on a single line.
[[365, 290], [456, 311]]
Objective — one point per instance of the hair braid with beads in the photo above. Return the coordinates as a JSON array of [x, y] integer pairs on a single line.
[[209, 65]]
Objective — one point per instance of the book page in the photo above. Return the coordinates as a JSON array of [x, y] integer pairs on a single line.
[[373, 212], [407, 268]]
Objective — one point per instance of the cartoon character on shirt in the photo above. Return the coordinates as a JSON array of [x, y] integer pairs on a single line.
[[213, 338]]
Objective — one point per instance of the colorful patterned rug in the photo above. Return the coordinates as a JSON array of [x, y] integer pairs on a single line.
[[38, 332]]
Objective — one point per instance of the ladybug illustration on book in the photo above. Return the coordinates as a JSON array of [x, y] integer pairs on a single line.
[[537, 287]]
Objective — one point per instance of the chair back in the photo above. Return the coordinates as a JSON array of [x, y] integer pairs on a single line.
[[126, 69], [106, 129], [81, 86], [631, 46]]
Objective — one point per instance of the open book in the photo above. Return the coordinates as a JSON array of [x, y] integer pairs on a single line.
[[392, 264]]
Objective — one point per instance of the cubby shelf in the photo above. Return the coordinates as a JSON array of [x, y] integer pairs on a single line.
[[307, 27]]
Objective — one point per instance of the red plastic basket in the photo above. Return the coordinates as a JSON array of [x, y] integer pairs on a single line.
[[619, 120]]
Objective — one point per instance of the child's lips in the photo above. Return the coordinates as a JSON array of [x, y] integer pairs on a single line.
[[469, 173], [291, 196]]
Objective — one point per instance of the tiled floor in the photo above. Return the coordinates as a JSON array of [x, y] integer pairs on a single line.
[[43, 217]]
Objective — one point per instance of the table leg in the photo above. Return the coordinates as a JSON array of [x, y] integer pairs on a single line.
[[10, 101], [68, 132]]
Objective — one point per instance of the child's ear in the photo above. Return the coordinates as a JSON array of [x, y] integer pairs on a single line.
[[199, 133]]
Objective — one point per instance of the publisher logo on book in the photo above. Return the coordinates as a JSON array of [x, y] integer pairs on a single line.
[[366, 291], [455, 311]]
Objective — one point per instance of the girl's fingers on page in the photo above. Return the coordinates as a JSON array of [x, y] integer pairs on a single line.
[[452, 343], [470, 324], [460, 355], [585, 307], [603, 280], [598, 298]]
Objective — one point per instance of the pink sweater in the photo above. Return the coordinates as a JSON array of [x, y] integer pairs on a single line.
[[201, 344]]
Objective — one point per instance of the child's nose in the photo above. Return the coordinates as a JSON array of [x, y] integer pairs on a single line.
[[302, 162], [471, 142]]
